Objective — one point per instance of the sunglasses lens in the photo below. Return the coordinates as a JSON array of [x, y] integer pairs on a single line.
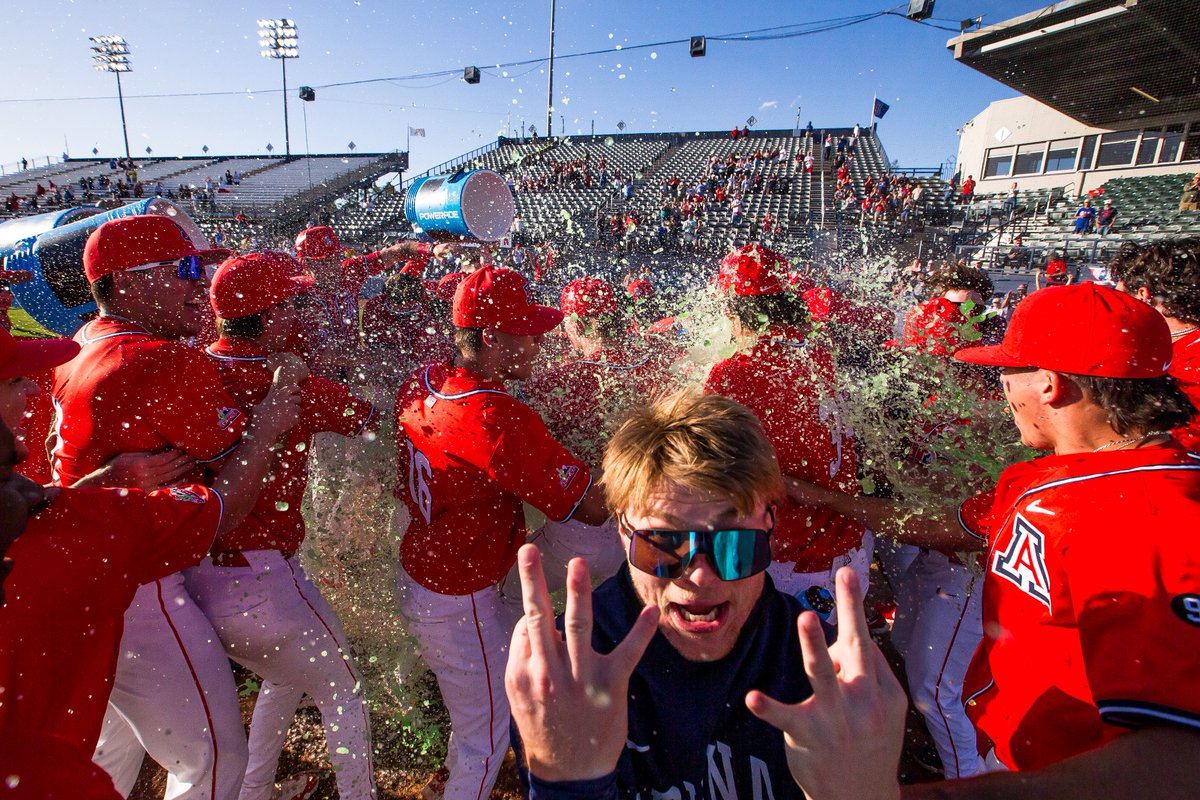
[[663, 554], [739, 554], [191, 268]]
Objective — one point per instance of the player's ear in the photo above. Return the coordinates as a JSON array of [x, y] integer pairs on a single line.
[[1057, 387], [488, 337]]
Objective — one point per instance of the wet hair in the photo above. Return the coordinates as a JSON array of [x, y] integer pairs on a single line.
[[1169, 271], [959, 276], [759, 312], [250, 326], [403, 289], [104, 290], [1138, 405], [469, 341], [702, 443]]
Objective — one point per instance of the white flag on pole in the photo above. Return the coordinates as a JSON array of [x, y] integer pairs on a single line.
[[416, 131]]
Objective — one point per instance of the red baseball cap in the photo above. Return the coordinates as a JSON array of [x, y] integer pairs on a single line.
[[641, 289], [122, 244], [1086, 329], [448, 285], [752, 270], [252, 283], [24, 357], [588, 297], [499, 298], [317, 242]]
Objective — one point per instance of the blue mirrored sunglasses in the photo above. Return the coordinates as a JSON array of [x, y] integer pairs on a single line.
[[735, 553], [188, 268]]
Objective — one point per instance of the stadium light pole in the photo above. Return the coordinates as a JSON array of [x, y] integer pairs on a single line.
[[550, 79], [112, 55], [277, 38]]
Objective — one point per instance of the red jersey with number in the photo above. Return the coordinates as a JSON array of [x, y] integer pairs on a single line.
[[790, 387], [1091, 601], [75, 571], [1185, 369], [468, 455], [581, 399], [129, 392], [325, 407]]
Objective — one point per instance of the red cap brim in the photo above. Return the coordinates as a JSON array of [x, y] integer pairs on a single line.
[[214, 256], [34, 355], [543, 320], [989, 355]]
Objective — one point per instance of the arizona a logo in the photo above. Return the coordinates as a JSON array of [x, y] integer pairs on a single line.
[[1023, 562]]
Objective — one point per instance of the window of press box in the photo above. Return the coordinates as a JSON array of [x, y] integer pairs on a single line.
[[1116, 148], [999, 163], [1029, 159], [1061, 157]]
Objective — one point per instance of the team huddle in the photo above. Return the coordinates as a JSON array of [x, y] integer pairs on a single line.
[[154, 469]]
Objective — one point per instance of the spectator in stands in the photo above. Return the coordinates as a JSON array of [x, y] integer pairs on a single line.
[[1085, 216], [1010, 202], [24, 164], [1017, 256], [1106, 218], [1056, 272], [968, 190], [1191, 195]]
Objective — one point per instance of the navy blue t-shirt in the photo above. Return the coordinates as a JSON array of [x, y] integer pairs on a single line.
[[691, 736]]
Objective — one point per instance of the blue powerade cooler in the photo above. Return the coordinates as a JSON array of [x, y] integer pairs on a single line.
[[475, 206]]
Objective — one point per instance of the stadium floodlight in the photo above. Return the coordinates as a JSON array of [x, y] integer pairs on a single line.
[[278, 39], [111, 54]]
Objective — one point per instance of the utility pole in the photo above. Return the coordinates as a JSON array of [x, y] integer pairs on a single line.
[[550, 78]]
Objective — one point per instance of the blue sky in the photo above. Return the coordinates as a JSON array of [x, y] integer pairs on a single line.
[[187, 47]]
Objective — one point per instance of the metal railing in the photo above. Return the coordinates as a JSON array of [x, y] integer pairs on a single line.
[[452, 164], [1078, 253]]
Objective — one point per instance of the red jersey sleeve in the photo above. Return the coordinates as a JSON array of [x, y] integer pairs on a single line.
[[175, 527], [1137, 607], [356, 271], [976, 515], [190, 407], [329, 407], [531, 464]]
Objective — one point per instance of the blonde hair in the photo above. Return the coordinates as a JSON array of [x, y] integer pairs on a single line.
[[702, 443]]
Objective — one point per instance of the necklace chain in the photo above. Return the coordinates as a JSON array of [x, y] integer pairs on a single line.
[[1120, 443], [1184, 332]]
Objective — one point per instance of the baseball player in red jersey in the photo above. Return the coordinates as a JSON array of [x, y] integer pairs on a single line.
[[469, 455], [269, 615], [135, 388], [938, 326], [399, 331], [1167, 276], [791, 387], [1091, 601], [333, 336], [60, 637]]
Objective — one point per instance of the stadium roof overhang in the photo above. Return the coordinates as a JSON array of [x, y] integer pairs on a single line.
[[1106, 63]]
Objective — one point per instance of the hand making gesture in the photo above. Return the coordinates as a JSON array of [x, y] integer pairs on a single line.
[[844, 741], [570, 703]]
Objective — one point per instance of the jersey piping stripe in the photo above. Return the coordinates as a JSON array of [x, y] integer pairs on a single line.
[[440, 396], [937, 689], [210, 352], [220, 455], [212, 731], [967, 700], [1080, 478], [487, 676], [345, 658], [93, 339], [1127, 714], [220, 512], [366, 422], [575, 507]]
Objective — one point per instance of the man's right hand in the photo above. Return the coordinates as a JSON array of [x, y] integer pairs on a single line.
[[280, 409], [288, 367], [570, 703]]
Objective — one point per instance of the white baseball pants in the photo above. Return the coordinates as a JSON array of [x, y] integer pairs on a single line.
[[464, 639], [174, 698], [938, 639], [797, 583], [273, 620]]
